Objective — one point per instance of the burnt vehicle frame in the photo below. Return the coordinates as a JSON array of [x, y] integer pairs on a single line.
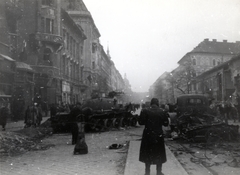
[[194, 121]]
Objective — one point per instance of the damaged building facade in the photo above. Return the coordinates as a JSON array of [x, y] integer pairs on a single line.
[[50, 53]]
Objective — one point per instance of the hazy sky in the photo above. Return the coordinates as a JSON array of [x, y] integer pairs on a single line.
[[148, 37]]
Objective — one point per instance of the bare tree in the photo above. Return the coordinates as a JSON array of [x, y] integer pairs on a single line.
[[181, 78]]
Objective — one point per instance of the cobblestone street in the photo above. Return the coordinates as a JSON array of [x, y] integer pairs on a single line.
[[59, 159]]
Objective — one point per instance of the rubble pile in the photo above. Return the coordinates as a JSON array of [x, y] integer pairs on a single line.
[[204, 127], [27, 139]]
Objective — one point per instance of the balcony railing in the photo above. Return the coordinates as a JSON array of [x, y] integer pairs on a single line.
[[48, 37]]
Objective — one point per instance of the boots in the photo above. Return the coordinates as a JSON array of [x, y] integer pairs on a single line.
[[147, 169], [159, 169]]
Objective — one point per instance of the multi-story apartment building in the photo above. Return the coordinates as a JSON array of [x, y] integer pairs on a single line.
[[71, 60], [6, 61], [220, 82], [99, 74], [206, 56], [82, 17], [209, 54], [50, 53], [162, 89]]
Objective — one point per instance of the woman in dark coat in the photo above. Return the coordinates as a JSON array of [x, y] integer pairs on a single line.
[[152, 150]]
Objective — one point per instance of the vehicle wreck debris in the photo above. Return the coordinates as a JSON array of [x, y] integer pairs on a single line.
[[194, 122]]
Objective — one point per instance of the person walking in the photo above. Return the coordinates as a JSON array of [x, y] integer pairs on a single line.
[[4, 113], [152, 149]]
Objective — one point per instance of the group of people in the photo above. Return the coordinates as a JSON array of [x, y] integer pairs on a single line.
[[62, 107], [226, 111], [33, 115]]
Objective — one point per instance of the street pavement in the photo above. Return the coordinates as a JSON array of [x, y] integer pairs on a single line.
[[59, 158], [134, 167]]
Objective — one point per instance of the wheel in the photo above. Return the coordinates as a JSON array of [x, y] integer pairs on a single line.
[[123, 122], [116, 122], [108, 123], [92, 123], [99, 125], [133, 121]]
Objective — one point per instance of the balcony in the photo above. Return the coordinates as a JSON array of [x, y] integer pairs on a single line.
[[49, 70], [46, 38]]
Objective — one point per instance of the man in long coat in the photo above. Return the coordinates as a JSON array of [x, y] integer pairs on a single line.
[[152, 150]]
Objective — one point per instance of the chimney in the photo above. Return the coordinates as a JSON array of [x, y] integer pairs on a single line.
[[225, 41], [214, 40], [206, 39]]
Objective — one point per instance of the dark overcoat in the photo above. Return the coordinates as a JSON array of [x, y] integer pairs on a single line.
[[152, 150], [4, 112]]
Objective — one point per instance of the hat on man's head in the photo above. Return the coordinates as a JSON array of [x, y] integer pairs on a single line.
[[154, 101]]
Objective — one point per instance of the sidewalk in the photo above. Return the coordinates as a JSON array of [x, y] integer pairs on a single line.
[[134, 167], [14, 126]]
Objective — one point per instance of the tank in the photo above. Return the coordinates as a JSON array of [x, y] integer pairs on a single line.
[[100, 114], [105, 113]]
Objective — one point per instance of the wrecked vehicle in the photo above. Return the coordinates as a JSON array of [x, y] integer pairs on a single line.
[[194, 122]]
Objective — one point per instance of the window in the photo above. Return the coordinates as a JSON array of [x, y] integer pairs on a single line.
[[42, 24], [65, 38], [47, 2], [70, 45], [77, 51], [73, 48], [194, 61], [94, 47], [214, 62], [195, 101], [49, 25], [68, 41], [47, 55], [93, 65], [81, 51]]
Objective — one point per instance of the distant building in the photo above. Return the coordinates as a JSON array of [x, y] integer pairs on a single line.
[[209, 54], [220, 82], [162, 89], [204, 58]]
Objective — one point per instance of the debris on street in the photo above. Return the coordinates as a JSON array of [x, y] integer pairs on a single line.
[[27, 139]]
